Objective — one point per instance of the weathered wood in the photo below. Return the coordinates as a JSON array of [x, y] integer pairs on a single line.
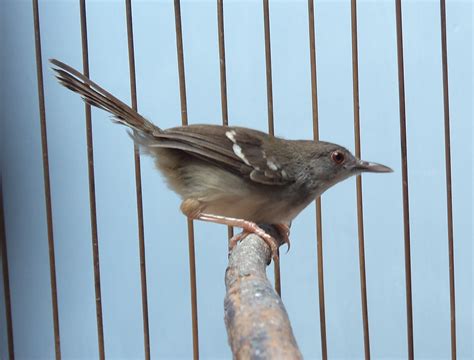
[[257, 323]]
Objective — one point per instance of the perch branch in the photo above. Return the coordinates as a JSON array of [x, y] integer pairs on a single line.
[[257, 323]]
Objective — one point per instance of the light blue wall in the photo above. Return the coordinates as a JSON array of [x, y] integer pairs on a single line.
[[165, 231]]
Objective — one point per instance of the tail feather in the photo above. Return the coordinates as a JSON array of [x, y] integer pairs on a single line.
[[96, 96]]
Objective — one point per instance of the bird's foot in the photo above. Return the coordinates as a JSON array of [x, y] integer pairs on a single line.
[[193, 209], [252, 228]]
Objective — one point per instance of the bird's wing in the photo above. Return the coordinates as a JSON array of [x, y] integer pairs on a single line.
[[238, 150]]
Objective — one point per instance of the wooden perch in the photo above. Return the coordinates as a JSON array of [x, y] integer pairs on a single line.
[[257, 323]]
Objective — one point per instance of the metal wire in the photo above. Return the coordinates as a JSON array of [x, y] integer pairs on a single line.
[[6, 278], [406, 208], [47, 184], [138, 184], [319, 224], [268, 66], [223, 78], [184, 120], [360, 208], [449, 194], [271, 127], [92, 197]]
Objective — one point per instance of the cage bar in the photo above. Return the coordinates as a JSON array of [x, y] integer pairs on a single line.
[[406, 208], [184, 120], [223, 77], [449, 193], [138, 184], [6, 278], [360, 208], [319, 223], [271, 126], [47, 183], [92, 196]]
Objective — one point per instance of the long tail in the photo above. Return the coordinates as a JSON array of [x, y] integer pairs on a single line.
[[94, 95]]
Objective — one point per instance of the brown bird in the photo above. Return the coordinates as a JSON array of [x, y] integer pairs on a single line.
[[227, 174]]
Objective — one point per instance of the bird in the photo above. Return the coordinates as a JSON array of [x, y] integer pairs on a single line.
[[228, 174]]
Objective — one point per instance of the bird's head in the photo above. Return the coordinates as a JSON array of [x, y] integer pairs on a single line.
[[331, 163]]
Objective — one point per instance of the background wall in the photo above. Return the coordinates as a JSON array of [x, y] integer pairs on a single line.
[[165, 231]]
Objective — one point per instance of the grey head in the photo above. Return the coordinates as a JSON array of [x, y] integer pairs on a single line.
[[330, 163]]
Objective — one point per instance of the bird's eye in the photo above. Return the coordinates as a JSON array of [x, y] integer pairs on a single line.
[[338, 157]]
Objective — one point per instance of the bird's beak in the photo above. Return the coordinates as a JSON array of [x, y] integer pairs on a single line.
[[365, 166]]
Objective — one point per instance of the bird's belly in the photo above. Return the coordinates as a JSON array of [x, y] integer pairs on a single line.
[[223, 193], [261, 210]]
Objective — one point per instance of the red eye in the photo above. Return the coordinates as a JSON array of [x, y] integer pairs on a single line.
[[338, 157]]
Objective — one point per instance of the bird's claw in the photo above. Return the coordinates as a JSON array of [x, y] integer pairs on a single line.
[[269, 240]]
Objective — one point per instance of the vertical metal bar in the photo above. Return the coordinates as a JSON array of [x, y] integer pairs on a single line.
[[184, 120], [138, 184], [271, 127], [6, 278], [360, 209], [47, 184], [268, 63], [449, 195], [92, 197], [220, 26], [406, 207], [225, 114], [319, 222], [180, 54]]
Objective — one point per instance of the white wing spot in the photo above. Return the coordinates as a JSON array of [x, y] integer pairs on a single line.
[[238, 151], [272, 165], [231, 136]]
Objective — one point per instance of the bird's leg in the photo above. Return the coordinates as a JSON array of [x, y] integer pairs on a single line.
[[248, 227], [236, 238], [192, 209]]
